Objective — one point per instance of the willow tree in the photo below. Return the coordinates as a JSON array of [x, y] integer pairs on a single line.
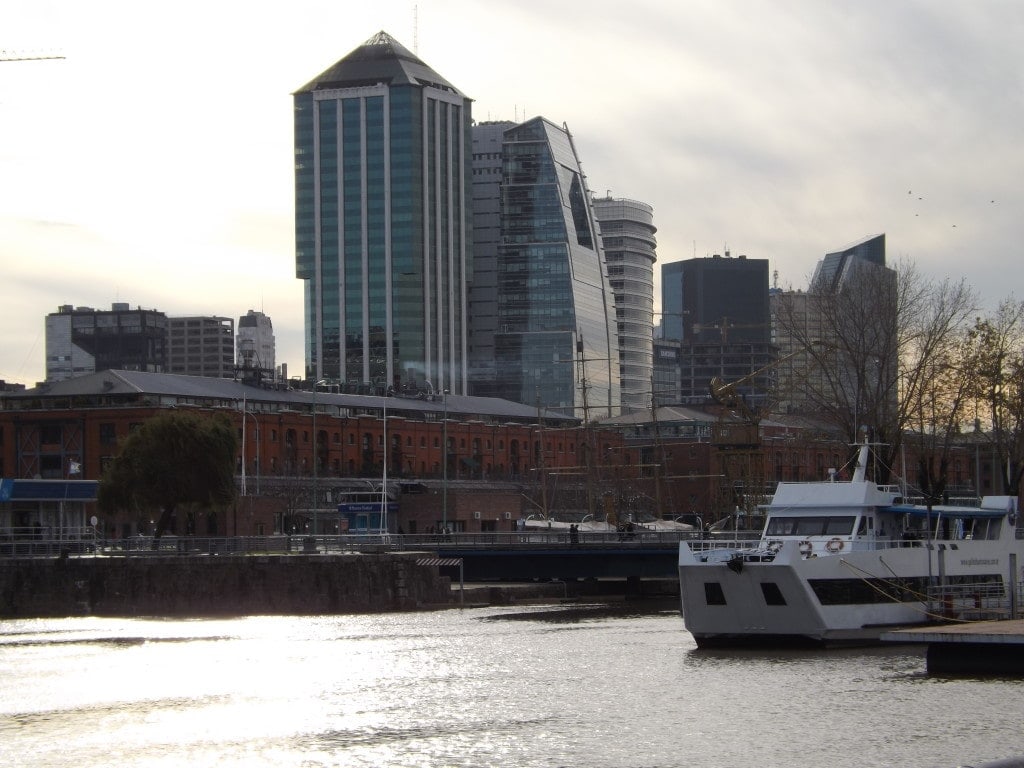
[[174, 460]]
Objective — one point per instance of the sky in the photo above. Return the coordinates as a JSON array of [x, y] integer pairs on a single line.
[[153, 164]]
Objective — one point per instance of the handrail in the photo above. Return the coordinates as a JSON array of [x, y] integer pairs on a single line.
[[89, 544]]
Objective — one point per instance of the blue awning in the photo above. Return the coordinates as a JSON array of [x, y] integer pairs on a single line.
[[14, 489], [963, 513]]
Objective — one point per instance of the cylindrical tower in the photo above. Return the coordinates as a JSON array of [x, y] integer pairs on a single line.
[[627, 230]]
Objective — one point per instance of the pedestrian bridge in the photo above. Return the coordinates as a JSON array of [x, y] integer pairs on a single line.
[[499, 556]]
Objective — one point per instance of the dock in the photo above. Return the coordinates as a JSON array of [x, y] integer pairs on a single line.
[[990, 648]]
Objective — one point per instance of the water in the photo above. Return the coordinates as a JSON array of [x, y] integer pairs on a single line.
[[586, 686]]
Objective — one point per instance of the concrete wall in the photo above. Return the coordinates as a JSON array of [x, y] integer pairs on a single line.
[[157, 585]]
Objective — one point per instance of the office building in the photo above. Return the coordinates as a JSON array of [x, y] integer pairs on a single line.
[[488, 140], [839, 267], [716, 299], [83, 340], [718, 308], [383, 235], [666, 376], [627, 233], [201, 346], [255, 347], [806, 317], [556, 344]]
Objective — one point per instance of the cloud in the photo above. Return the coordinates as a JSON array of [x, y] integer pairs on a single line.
[[157, 165]]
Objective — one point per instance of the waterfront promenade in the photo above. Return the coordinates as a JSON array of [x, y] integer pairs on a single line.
[[532, 554], [181, 576]]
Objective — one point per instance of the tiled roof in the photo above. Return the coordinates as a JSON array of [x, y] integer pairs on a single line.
[[198, 388]]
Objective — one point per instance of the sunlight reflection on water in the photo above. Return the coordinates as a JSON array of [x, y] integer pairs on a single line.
[[578, 686]]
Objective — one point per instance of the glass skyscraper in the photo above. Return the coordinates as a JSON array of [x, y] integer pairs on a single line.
[[556, 343], [382, 221]]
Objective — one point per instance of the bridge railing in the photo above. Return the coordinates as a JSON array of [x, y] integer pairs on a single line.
[[88, 544]]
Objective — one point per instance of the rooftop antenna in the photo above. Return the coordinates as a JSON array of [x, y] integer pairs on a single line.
[[416, 29]]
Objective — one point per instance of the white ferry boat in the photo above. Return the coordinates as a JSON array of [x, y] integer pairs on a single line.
[[839, 563]]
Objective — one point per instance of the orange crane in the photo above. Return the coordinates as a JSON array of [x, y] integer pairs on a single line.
[[725, 393]]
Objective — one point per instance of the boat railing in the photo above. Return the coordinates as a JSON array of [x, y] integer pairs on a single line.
[[975, 601], [734, 541]]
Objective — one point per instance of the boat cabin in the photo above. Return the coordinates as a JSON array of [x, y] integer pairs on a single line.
[[888, 525]]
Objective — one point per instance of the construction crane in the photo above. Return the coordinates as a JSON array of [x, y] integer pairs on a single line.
[[727, 393], [723, 327], [739, 442]]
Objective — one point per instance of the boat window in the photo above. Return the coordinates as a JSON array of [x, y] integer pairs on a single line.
[[862, 529], [781, 526], [772, 593], [810, 526], [839, 526], [713, 593]]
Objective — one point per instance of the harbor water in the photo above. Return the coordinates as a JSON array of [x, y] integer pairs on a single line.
[[616, 686]]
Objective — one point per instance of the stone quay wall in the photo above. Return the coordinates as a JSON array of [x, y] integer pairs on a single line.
[[232, 585]]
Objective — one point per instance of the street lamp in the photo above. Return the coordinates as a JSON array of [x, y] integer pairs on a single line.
[[256, 422], [444, 464], [384, 478], [316, 457]]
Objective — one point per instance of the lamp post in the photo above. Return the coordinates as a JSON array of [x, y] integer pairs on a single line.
[[444, 464], [256, 422], [316, 457], [384, 476]]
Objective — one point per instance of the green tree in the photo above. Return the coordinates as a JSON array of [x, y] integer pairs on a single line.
[[174, 460]]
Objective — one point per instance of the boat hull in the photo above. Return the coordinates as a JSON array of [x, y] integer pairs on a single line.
[[845, 599]]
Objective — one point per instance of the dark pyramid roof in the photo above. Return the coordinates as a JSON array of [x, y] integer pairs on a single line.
[[381, 59]]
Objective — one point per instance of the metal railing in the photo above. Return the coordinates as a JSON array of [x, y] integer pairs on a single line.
[[88, 544], [979, 601]]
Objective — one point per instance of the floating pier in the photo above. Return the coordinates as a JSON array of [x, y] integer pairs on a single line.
[[990, 648]]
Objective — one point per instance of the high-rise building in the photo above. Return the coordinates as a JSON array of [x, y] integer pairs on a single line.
[[556, 343], [382, 221], [81, 340], [808, 317], [838, 267], [488, 140], [718, 307], [255, 347], [627, 233], [666, 375], [201, 346], [718, 299]]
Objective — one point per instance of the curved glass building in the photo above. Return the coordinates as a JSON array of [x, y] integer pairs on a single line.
[[382, 221], [556, 343]]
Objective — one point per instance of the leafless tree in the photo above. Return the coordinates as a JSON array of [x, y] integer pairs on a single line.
[[995, 354], [873, 344]]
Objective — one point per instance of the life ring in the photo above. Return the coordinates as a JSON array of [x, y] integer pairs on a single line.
[[834, 545], [805, 548]]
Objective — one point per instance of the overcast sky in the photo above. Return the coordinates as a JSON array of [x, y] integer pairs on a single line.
[[153, 165]]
